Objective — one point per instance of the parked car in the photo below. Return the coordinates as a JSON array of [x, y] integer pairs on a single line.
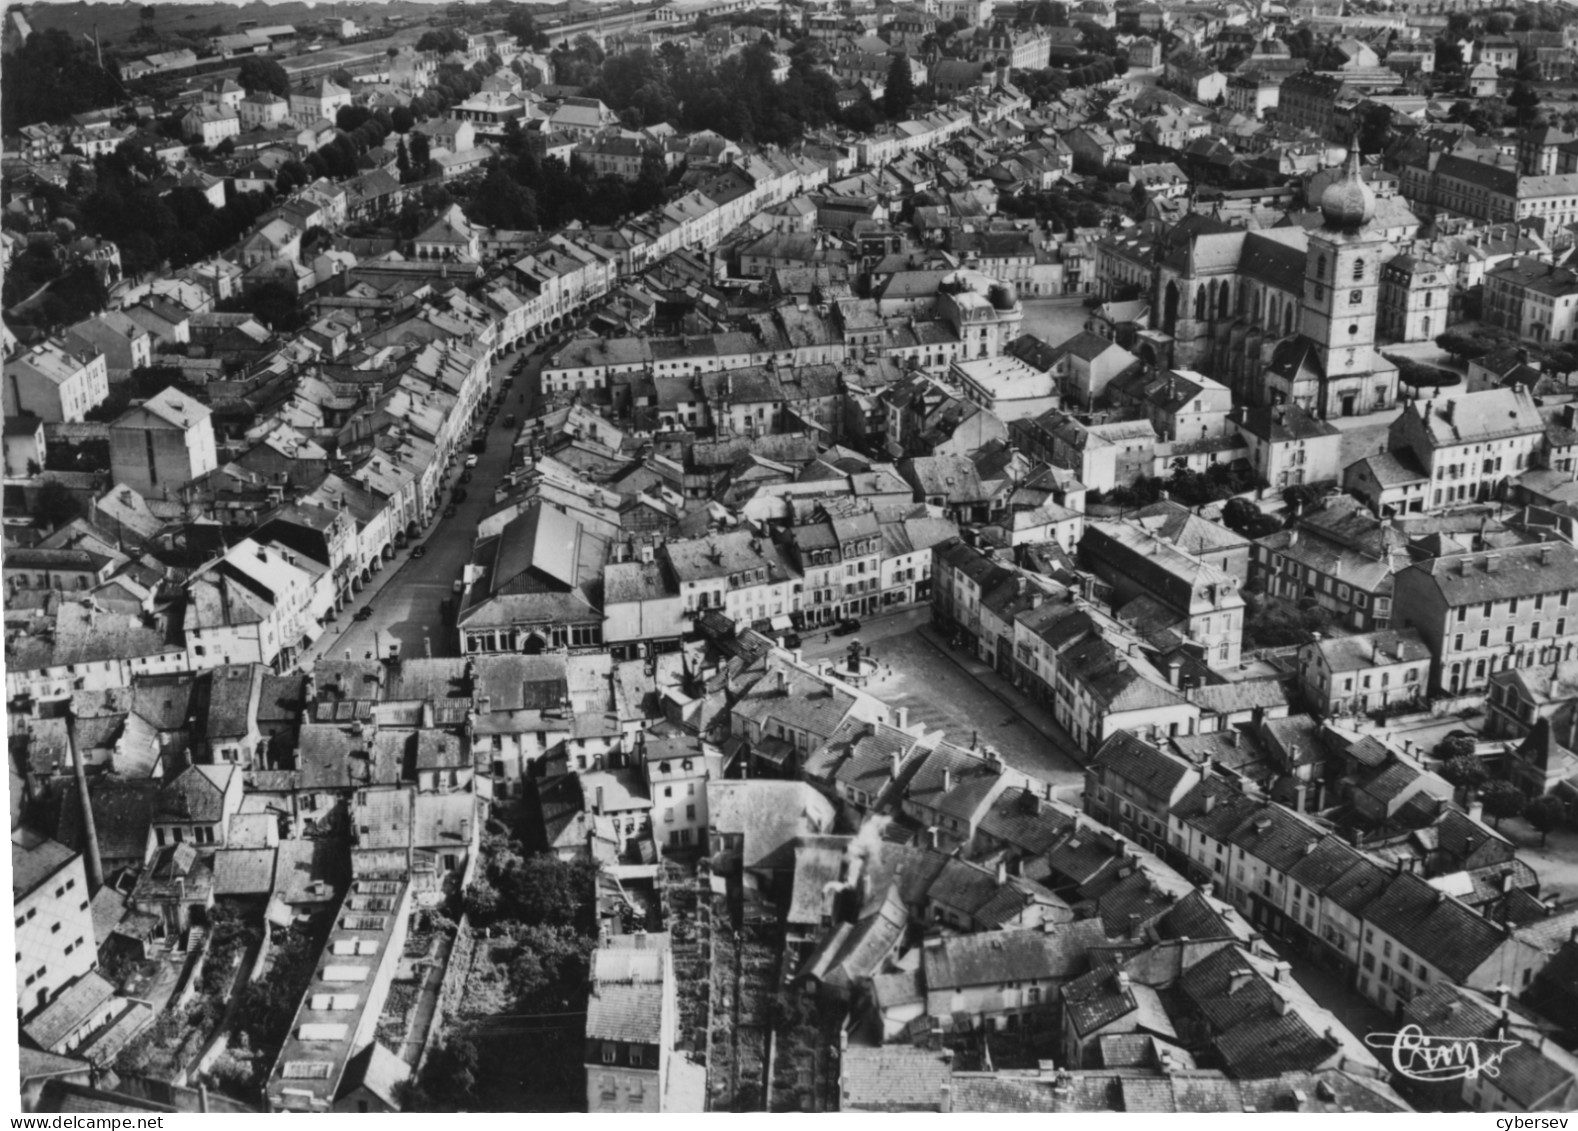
[[790, 640], [509, 420], [471, 461], [465, 476], [418, 550], [449, 511], [847, 627], [363, 613], [459, 495]]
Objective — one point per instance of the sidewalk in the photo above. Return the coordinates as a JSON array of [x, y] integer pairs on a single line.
[[1038, 715]]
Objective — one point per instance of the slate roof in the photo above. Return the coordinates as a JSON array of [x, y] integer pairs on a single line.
[[34, 860], [243, 871], [893, 1078], [626, 1011], [69, 1009], [379, 1071], [1434, 925], [1132, 759], [1514, 571]]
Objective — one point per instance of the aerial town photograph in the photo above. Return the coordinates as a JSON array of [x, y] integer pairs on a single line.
[[792, 556]]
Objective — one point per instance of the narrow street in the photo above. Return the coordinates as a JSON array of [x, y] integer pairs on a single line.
[[410, 597], [1331, 990]]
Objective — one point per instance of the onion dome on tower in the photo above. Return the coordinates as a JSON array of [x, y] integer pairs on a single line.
[[1348, 203]]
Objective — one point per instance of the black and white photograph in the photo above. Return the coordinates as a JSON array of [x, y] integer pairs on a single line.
[[791, 556]]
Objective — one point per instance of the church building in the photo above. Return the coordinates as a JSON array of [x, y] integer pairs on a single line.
[[1281, 315]]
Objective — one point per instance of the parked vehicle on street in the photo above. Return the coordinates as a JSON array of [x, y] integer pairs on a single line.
[[465, 476], [846, 627], [419, 550], [471, 461], [363, 613], [459, 495], [509, 420], [449, 511]]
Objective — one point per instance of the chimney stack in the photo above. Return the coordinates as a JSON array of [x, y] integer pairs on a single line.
[[90, 829]]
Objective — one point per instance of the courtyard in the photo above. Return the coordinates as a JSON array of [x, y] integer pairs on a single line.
[[914, 673]]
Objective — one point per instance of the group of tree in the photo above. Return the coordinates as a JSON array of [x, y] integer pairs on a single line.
[[899, 94], [1467, 345], [737, 97], [51, 77], [539, 915], [1242, 516], [259, 73], [117, 199], [1185, 485], [523, 26], [1502, 799], [1418, 375]]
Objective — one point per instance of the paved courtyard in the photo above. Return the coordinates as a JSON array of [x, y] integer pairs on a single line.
[[1055, 320], [943, 697]]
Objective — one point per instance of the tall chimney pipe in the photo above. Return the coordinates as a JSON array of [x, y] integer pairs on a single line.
[[90, 829]]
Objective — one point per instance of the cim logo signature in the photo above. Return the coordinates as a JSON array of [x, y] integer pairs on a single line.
[[1432, 1059]]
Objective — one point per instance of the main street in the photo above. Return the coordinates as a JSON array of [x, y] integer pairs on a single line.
[[410, 598]]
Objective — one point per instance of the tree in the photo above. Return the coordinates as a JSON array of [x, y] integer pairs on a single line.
[[421, 152], [1454, 746], [523, 26], [402, 119], [549, 971], [443, 41], [501, 201], [1502, 799], [1545, 813], [55, 505], [350, 118], [900, 94], [258, 73], [1525, 103], [452, 1072], [49, 78], [403, 161], [1375, 129], [1464, 770]]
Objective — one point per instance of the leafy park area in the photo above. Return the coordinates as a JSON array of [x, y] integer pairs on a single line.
[[517, 1040], [258, 1018], [1191, 488]]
